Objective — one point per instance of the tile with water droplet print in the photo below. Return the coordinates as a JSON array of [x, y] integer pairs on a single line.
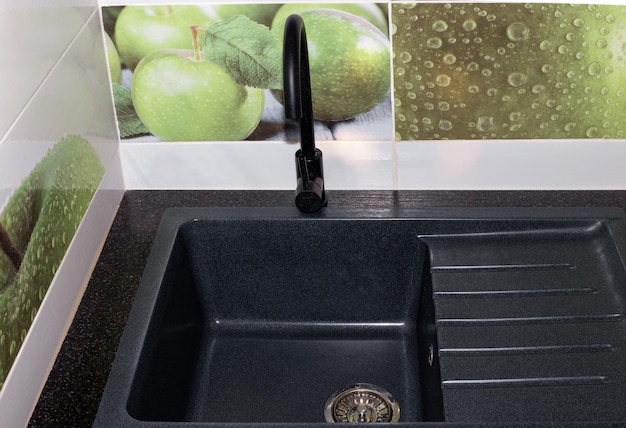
[[508, 71]]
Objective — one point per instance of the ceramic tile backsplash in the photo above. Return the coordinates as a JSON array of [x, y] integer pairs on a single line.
[[498, 72], [179, 97], [352, 107], [52, 160], [509, 71]]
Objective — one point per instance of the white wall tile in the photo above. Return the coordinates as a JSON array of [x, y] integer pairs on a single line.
[[252, 165], [33, 34], [512, 164]]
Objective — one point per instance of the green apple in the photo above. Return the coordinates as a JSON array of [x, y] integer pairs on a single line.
[[180, 97], [40, 219], [263, 13], [349, 63], [113, 59], [369, 11], [141, 30], [466, 71]]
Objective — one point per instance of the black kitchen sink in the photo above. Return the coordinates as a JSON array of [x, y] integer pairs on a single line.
[[257, 316]]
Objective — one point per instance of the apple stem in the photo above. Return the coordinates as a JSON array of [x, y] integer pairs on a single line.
[[7, 246], [197, 53]]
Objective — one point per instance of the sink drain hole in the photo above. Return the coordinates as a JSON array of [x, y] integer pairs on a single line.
[[362, 402]]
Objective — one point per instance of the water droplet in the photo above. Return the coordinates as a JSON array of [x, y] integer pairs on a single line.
[[578, 22], [594, 69], [486, 72], [546, 68], [440, 25], [406, 57], [400, 71], [592, 132], [570, 37], [569, 127], [517, 31], [445, 125], [517, 79], [604, 31], [429, 64], [537, 89], [443, 80], [473, 89], [610, 19], [601, 44], [484, 123], [515, 116], [434, 43], [562, 49], [545, 45], [449, 58], [501, 51], [469, 25], [444, 106], [580, 55], [472, 66], [492, 92], [491, 17]]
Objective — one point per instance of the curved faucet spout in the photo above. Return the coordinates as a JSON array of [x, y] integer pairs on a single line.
[[310, 193]]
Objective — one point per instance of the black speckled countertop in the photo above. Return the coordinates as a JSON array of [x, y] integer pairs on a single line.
[[76, 382]]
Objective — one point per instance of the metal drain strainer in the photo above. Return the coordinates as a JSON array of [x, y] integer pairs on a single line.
[[362, 402]]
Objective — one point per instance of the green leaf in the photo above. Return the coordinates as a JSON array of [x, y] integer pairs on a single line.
[[129, 123], [248, 51]]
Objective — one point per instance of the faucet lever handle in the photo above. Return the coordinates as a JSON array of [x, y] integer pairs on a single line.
[[310, 193]]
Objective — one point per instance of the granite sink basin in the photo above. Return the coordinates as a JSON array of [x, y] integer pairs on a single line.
[[256, 316]]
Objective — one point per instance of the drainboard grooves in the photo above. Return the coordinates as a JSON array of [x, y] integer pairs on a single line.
[[514, 293], [525, 382], [528, 320], [526, 350], [530, 327], [503, 267]]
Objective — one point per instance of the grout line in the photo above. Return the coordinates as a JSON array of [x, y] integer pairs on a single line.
[[394, 145]]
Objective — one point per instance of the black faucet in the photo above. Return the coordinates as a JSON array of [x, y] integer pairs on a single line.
[[310, 193]]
